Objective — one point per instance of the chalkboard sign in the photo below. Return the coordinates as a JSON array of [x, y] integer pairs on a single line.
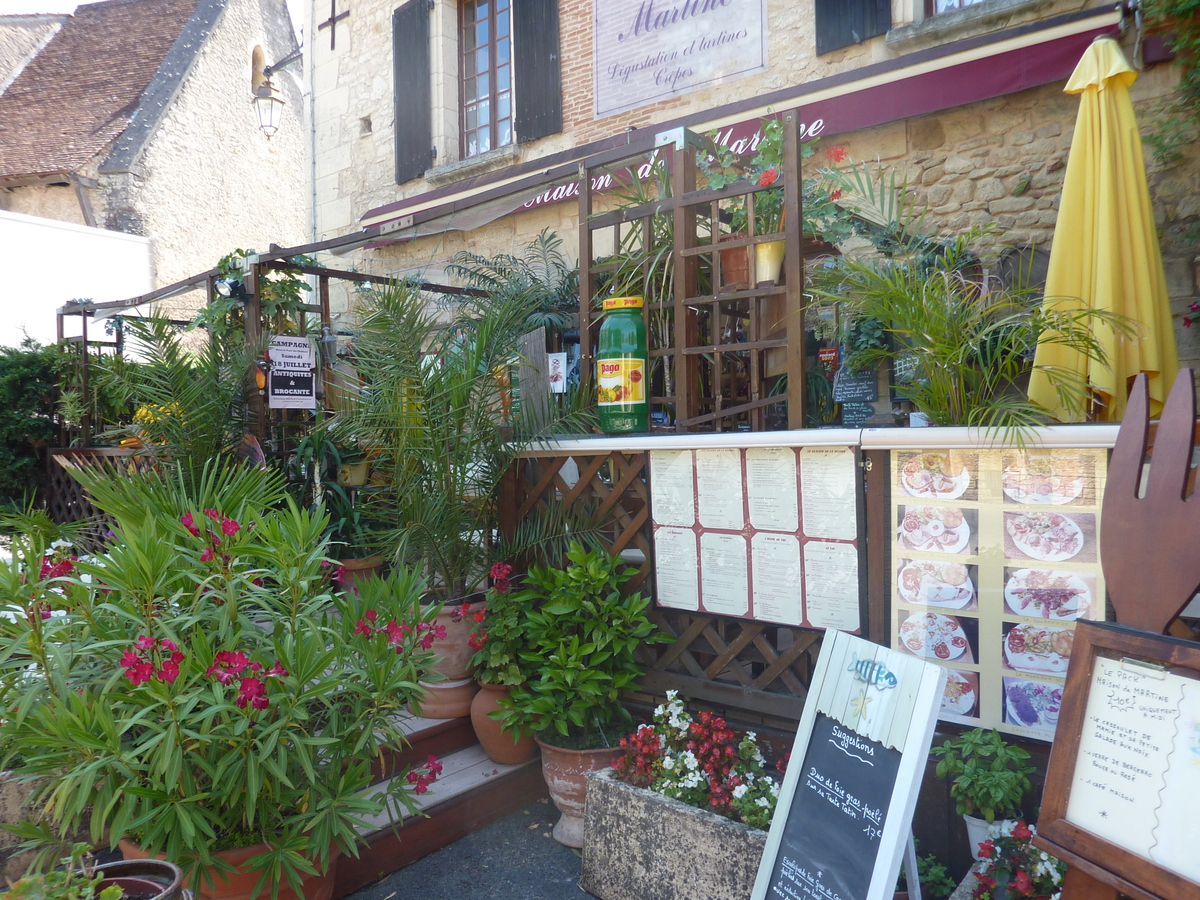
[[861, 387], [846, 805], [855, 415]]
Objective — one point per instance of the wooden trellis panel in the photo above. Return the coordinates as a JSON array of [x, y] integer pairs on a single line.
[[752, 670], [67, 501]]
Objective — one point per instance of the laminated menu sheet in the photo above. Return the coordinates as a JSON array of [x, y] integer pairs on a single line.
[[765, 533]]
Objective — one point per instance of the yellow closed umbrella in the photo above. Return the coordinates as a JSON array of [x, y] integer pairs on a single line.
[[1105, 252]]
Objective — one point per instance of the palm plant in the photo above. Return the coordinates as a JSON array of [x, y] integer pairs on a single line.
[[542, 274], [191, 395], [444, 425], [968, 339]]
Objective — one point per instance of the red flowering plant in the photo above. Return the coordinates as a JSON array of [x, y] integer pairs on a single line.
[[501, 630], [200, 685], [1013, 868], [701, 762]]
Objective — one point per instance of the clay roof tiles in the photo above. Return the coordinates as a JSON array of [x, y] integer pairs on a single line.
[[81, 91]]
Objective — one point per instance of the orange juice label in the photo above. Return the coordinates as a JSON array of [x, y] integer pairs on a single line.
[[620, 381], [622, 303]]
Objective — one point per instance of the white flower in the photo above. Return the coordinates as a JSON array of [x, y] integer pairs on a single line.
[[690, 761], [61, 544], [763, 802], [740, 791], [668, 763]]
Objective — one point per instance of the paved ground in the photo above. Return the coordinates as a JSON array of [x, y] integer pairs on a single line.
[[512, 859]]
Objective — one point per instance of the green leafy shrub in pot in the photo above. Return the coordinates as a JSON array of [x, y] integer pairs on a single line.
[[500, 636], [200, 686], [989, 776], [582, 639]]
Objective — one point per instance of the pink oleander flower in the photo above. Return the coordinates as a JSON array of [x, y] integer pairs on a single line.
[[213, 514], [276, 671], [189, 523], [226, 665], [253, 692], [230, 527], [206, 555], [168, 671]]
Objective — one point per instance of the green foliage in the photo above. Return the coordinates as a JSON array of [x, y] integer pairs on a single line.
[[935, 879], [318, 458], [440, 418], [581, 639], [200, 682], [1182, 18], [280, 295], [28, 375], [542, 274], [191, 399], [504, 638], [989, 775], [970, 339], [75, 880]]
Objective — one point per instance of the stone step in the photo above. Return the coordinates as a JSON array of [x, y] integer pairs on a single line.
[[472, 791]]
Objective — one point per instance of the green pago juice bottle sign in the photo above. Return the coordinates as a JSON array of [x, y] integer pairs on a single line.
[[622, 369]]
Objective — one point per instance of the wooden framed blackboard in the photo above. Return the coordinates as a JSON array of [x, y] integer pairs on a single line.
[[846, 805], [1124, 776]]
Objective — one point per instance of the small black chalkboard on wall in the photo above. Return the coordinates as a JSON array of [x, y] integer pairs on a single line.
[[846, 806], [860, 387]]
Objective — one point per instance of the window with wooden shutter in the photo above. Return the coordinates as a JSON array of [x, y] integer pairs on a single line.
[[537, 70], [411, 87], [841, 23]]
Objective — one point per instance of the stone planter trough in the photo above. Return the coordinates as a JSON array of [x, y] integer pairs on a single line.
[[639, 845]]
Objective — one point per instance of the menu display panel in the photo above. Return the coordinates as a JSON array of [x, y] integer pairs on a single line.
[[765, 533], [995, 557]]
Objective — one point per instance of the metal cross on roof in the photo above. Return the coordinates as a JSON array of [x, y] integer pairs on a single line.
[[331, 22]]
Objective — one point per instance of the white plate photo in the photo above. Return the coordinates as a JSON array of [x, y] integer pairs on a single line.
[[938, 476], [1049, 594], [1033, 704], [1047, 536], [959, 697], [934, 636], [1046, 480], [940, 529], [936, 584], [1037, 648]]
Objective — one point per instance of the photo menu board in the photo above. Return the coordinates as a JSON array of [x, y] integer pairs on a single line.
[[995, 556], [764, 533]]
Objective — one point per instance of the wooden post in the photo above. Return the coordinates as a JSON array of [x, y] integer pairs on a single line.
[[793, 262], [87, 403], [586, 288], [254, 336], [687, 367]]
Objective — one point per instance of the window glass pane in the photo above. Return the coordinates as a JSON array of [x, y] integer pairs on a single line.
[[481, 33], [469, 40], [481, 59], [503, 104], [502, 52], [472, 146], [469, 89], [502, 78], [485, 141], [502, 24], [502, 5], [485, 113], [472, 118], [503, 134], [469, 13], [482, 11], [483, 86]]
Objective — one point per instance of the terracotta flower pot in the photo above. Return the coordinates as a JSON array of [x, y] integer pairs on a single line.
[[500, 746], [565, 772], [239, 884], [451, 697], [356, 570], [735, 264], [143, 879]]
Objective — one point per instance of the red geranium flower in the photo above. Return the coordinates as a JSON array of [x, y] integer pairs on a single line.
[[768, 177]]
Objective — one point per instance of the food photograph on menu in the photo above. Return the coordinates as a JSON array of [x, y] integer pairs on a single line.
[[926, 582], [944, 475], [1032, 704], [1049, 478], [1037, 648], [961, 694], [938, 529], [939, 637], [1057, 595], [1050, 536]]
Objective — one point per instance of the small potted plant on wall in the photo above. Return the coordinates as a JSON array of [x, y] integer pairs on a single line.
[[582, 637], [989, 778]]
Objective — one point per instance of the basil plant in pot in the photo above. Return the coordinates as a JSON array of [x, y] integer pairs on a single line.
[[582, 636], [989, 778], [201, 692]]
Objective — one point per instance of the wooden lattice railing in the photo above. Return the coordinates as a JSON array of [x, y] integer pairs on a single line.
[[752, 672], [67, 501]]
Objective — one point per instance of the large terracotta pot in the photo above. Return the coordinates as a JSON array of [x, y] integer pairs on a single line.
[[500, 746], [451, 697], [239, 884], [143, 879], [356, 570], [566, 772], [735, 264]]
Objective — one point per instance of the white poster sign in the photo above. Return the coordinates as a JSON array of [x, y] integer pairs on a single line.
[[647, 51], [292, 383]]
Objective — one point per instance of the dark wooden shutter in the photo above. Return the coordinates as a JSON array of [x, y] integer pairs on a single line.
[[536, 70], [841, 23], [411, 85]]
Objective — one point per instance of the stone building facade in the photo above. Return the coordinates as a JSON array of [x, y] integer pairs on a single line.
[[966, 103], [135, 116]]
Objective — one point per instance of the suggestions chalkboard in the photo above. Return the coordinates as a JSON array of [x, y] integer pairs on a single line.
[[862, 386], [837, 816], [846, 805]]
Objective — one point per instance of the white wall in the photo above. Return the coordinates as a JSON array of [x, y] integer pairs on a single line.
[[45, 263]]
